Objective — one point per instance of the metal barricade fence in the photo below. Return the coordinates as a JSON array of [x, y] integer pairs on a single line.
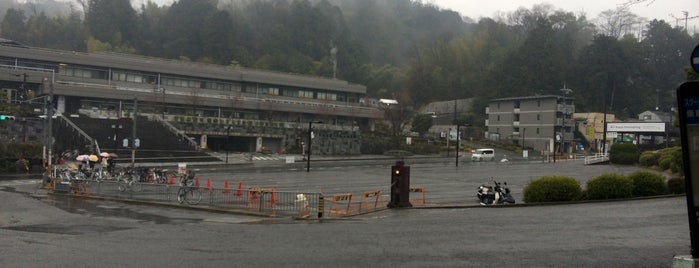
[[261, 200], [254, 199]]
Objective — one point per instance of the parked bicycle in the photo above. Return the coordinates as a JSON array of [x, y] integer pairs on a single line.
[[129, 181], [100, 175], [188, 192]]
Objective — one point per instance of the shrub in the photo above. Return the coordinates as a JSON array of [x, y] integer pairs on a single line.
[[609, 186], [646, 183], [671, 159], [552, 189], [649, 159], [676, 185], [664, 162], [676, 164], [624, 154]]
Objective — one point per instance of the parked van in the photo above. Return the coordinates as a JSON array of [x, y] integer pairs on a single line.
[[483, 155]]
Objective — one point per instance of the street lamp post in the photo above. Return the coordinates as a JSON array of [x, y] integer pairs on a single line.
[[565, 91], [458, 128], [448, 137], [133, 133], [524, 133], [228, 134], [310, 138]]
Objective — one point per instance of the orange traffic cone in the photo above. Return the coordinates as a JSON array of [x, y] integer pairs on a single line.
[[271, 198], [172, 180], [225, 187], [196, 181], [208, 184], [238, 191]]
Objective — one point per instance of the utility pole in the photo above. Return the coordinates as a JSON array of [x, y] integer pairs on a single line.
[[49, 117], [456, 121], [566, 91], [133, 132]]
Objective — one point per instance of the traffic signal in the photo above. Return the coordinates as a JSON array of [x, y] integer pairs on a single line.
[[6, 117], [400, 185]]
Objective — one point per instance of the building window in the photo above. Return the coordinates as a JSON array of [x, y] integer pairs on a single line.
[[537, 131], [305, 94], [538, 103], [538, 117], [290, 93], [498, 118]]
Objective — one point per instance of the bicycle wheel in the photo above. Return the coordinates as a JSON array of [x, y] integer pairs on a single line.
[[193, 196], [181, 195], [121, 186], [136, 186]]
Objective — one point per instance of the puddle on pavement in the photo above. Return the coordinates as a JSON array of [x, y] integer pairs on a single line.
[[95, 208], [65, 229], [111, 209]]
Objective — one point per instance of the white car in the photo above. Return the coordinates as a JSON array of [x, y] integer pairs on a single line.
[[483, 155]]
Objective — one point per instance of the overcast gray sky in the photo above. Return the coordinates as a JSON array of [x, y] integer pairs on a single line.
[[650, 9]]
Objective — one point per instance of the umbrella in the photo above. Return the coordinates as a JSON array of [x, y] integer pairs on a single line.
[[82, 157], [104, 154], [93, 158], [113, 155]]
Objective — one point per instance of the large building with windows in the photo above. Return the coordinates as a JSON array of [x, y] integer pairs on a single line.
[[543, 123], [218, 106]]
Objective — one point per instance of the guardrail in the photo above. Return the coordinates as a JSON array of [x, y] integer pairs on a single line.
[[266, 201], [596, 158], [258, 200]]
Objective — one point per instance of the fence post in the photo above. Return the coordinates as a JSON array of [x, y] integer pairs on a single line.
[[320, 206]]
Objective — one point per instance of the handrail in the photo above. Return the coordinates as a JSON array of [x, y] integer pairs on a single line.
[[596, 158], [74, 126], [175, 131]]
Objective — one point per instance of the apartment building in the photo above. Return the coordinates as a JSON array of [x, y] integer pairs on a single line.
[[543, 123]]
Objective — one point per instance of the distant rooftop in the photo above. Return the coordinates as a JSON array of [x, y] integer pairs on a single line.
[[11, 43]]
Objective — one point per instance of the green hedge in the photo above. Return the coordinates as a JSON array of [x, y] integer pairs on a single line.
[[609, 186], [624, 154], [552, 189], [676, 185], [646, 183], [671, 159], [649, 159]]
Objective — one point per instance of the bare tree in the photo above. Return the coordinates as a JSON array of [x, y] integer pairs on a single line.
[[629, 3], [619, 22]]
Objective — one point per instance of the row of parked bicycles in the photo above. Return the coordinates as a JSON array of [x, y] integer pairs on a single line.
[[132, 179], [127, 177]]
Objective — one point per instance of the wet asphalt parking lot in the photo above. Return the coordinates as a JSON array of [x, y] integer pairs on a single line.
[[41, 230]]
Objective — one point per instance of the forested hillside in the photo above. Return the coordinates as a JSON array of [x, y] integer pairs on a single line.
[[402, 49]]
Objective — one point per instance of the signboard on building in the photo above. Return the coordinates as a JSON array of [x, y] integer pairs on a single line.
[[636, 127]]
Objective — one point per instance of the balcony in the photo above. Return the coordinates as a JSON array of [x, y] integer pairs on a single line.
[[515, 123], [212, 98]]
